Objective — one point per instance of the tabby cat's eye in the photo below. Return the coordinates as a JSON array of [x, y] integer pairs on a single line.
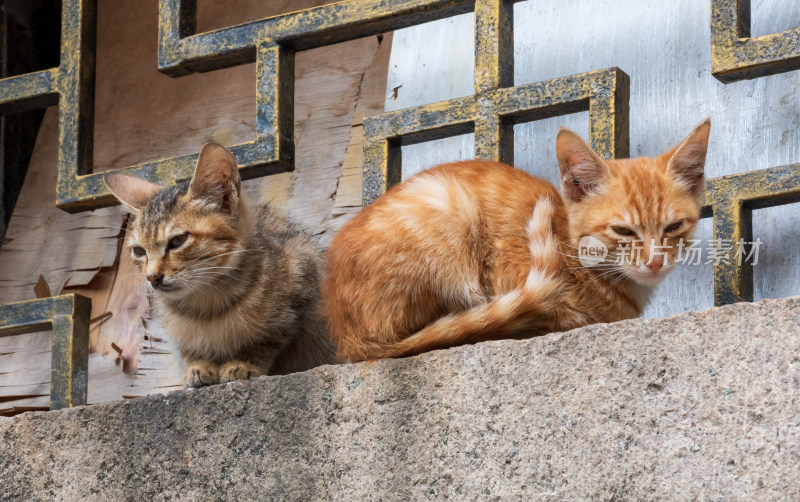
[[674, 226], [138, 251], [623, 231], [178, 241]]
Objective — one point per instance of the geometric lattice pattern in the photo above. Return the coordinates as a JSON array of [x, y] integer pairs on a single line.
[[68, 317], [490, 113]]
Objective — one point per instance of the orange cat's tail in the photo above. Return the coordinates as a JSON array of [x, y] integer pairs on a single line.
[[505, 315]]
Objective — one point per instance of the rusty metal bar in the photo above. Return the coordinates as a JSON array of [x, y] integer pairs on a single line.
[[275, 104], [28, 92], [494, 44], [301, 30], [494, 69], [71, 87], [177, 19], [68, 317], [494, 135], [491, 115], [735, 55], [731, 200], [75, 86]]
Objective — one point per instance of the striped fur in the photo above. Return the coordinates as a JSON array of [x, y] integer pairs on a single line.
[[240, 297], [478, 250]]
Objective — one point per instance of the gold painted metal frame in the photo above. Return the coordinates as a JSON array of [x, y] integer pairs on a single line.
[[270, 42], [490, 113], [68, 317], [71, 87], [735, 55], [496, 107], [731, 199]]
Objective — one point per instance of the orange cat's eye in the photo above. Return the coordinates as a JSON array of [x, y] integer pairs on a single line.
[[674, 226], [138, 251], [178, 241], [627, 232]]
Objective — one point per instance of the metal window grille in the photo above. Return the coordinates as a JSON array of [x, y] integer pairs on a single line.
[[68, 317], [490, 113]]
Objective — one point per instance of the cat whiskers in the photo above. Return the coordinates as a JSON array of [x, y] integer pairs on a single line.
[[188, 285], [212, 268], [222, 279], [209, 272], [204, 276], [619, 278], [212, 256], [194, 285], [610, 268]]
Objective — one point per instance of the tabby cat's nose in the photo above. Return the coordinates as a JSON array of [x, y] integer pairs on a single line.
[[155, 279]]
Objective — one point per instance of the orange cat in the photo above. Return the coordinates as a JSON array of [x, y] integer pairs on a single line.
[[478, 250]]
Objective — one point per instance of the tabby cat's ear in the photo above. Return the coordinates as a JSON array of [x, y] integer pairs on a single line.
[[135, 193], [216, 178], [582, 170], [688, 159]]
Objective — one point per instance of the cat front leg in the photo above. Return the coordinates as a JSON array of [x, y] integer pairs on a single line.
[[238, 370], [201, 373]]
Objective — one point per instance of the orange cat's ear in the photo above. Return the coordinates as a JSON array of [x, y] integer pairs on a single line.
[[687, 160], [582, 170], [216, 178], [134, 192]]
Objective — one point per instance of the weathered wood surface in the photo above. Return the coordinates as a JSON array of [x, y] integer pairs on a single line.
[[144, 115]]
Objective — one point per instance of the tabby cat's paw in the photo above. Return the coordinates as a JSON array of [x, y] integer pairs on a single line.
[[238, 370], [201, 373]]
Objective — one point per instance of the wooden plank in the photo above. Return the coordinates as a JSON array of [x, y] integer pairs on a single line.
[[371, 99], [74, 252], [25, 373], [43, 240], [98, 290], [326, 90], [128, 304]]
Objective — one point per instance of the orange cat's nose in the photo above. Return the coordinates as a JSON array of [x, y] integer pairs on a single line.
[[155, 279], [656, 264]]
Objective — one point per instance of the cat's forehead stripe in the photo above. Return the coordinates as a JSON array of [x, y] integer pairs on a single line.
[[135, 236], [162, 209]]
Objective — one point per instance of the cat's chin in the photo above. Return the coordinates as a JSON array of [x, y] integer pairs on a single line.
[[167, 292], [647, 280]]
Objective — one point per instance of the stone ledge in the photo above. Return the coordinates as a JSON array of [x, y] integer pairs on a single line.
[[699, 405]]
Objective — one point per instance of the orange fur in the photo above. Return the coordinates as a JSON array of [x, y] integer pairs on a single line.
[[478, 250]]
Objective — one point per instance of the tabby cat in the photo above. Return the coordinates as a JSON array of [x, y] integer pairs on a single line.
[[236, 287], [478, 250]]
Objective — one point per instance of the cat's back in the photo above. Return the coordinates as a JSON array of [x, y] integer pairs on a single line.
[[489, 182], [277, 234], [456, 197], [272, 224], [292, 261], [427, 248], [485, 179], [296, 266]]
